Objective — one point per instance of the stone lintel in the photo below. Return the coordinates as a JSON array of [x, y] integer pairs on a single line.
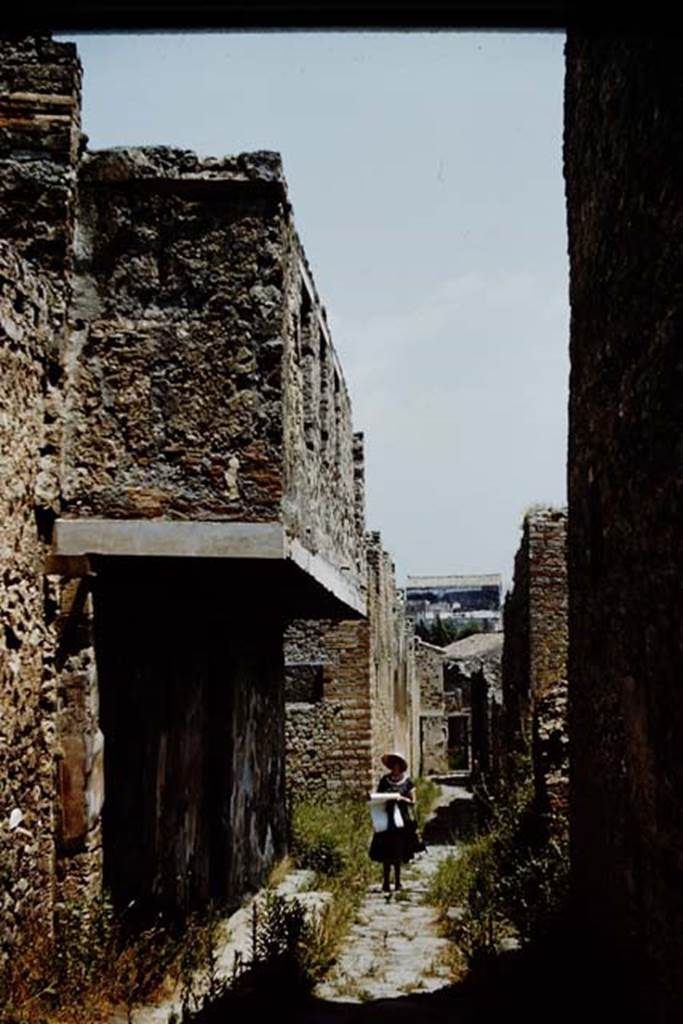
[[75, 540], [154, 538], [327, 575]]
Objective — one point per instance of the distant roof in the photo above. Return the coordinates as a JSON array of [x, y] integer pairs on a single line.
[[432, 647], [422, 582], [476, 646]]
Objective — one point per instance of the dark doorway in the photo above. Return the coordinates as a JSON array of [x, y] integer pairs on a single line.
[[190, 709], [459, 742]]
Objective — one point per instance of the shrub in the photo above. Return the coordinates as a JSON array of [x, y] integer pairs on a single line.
[[331, 839], [512, 880], [284, 948], [282, 970], [92, 965]]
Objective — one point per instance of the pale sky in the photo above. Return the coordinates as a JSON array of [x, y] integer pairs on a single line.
[[425, 172]]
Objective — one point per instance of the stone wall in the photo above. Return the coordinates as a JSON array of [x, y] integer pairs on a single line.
[[389, 705], [324, 490], [516, 661], [175, 390], [80, 767], [366, 702], [486, 734], [40, 140], [623, 171], [166, 358], [39, 145], [429, 665], [429, 669], [203, 383], [407, 721], [474, 682], [202, 386], [534, 659], [28, 690]]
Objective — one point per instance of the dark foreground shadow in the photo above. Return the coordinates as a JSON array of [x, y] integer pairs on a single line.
[[552, 985]]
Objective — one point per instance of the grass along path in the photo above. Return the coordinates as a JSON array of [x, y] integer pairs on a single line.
[[394, 947]]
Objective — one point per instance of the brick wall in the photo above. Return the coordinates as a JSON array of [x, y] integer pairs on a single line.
[[535, 657], [367, 704], [329, 741]]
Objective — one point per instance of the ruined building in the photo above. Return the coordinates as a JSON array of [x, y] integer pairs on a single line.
[[474, 705], [623, 151], [535, 661], [461, 706], [350, 689], [177, 450], [429, 669]]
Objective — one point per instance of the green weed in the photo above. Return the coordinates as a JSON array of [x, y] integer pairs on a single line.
[[510, 881], [427, 793], [333, 840], [90, 966]]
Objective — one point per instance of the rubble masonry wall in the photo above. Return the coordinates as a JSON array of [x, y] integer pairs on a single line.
[[429, 668]]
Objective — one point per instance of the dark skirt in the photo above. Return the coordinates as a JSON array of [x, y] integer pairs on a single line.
[[395, 845]]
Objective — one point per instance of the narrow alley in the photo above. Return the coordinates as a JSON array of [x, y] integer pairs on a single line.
[[207, 651], [395, 947]]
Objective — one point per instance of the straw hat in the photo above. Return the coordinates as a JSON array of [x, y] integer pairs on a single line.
[[394, 754]]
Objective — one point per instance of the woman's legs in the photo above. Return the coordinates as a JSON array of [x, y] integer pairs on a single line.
[[386, 884]]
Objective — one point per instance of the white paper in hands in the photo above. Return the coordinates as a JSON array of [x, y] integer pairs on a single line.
[[381, 806]]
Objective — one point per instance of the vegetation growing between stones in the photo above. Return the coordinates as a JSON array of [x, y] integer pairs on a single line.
[[98, 966], [426, 795], [282, 966], [332, 840], [511, 882], [93, 966]]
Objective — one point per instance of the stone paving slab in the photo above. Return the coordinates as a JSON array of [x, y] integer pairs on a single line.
[[394, 946], [393, 959]]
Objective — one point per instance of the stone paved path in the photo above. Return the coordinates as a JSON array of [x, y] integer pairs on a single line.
[[394, 965], [394, 947], [234, 940]]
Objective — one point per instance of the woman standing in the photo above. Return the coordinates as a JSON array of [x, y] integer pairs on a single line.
[[395, 845]]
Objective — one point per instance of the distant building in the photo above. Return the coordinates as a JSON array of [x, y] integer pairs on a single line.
[[462, 600]]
